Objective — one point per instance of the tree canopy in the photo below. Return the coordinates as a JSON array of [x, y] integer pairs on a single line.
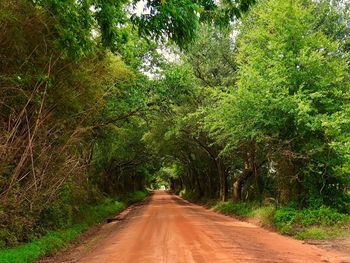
[[243, 100]]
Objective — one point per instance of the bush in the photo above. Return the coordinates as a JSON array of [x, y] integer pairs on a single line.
[[315, 233], [187, 194], [290, 221], [284, 219], [38, 248], [57, 215], [55, 240], [93, 214], [324, 216], [135, 197], [240, 209], [311, 223], [265, 215]]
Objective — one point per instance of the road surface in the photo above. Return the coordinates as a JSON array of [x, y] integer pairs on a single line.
[[169, 229]]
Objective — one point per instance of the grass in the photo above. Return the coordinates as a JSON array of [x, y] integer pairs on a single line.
[[315, 233], [134, 197], [317, 224], [321, 232], [56, 240], [48, 244], [242, 210], [265, 215]]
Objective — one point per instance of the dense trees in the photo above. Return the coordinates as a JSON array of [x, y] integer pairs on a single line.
[[75, 103], [271, 110], [247, 110], [291, 92], [52, 106]]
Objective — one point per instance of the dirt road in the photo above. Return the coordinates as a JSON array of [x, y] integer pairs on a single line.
[[169, 229]]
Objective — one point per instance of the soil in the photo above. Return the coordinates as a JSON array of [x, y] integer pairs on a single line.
[[169, 229]]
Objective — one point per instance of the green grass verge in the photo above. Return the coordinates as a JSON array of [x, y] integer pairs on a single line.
[[49, 243], [317, 224], [135, 197], [56, 240], [243, 210]]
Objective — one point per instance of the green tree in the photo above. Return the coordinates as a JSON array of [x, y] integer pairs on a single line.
[[290, 99], [81, 25]]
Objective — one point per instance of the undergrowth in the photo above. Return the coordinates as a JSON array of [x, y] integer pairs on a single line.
[[311, 223], [58, 239]]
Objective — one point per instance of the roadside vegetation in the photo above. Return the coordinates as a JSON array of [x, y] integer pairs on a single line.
[[239, 101], [315, 224], [70, 225], [265, 118], [76, 101]]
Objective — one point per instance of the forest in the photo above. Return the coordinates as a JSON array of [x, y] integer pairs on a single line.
[[243, 102]]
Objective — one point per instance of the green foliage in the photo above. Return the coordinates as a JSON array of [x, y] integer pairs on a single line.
[[134, 197], [319, 233], [84, 217], [74, 24], [179, 19], [262, 106], [288, 220], [284, 219], [323, 216], [314, 233], [55, 240], [67, 99], [176, 20], [36, 249], [321, 223], [265, 215], [289, 104], [58, 215], [188, 194], [272, 100], [212, 58], [243, 210]]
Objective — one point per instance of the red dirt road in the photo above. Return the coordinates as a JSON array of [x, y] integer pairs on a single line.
[[169, 229]]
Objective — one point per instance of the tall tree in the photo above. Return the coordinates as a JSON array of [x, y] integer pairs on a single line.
[[291, 96]]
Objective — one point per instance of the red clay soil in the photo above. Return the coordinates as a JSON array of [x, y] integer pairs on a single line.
[[169, 229]]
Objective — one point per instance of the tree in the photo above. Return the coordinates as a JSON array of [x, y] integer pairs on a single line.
[[83, 24], [290, 99]]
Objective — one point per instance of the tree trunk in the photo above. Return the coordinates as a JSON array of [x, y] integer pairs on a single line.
[[222, 179], [238, 184]]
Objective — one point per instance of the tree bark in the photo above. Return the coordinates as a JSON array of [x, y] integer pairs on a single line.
[[222, 178], [238, 184]]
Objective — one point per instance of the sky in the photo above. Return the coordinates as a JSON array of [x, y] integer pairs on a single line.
[[140, 8]]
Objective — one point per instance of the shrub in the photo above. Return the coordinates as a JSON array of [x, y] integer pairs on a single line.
[[289, 221], [312, 233], [240, 209], [49, 243], [57, 215], [284, 215], [322, 216], [311, 223], [54, 240], [265, 215], [136, 196], [284, 218], [187, 194]]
